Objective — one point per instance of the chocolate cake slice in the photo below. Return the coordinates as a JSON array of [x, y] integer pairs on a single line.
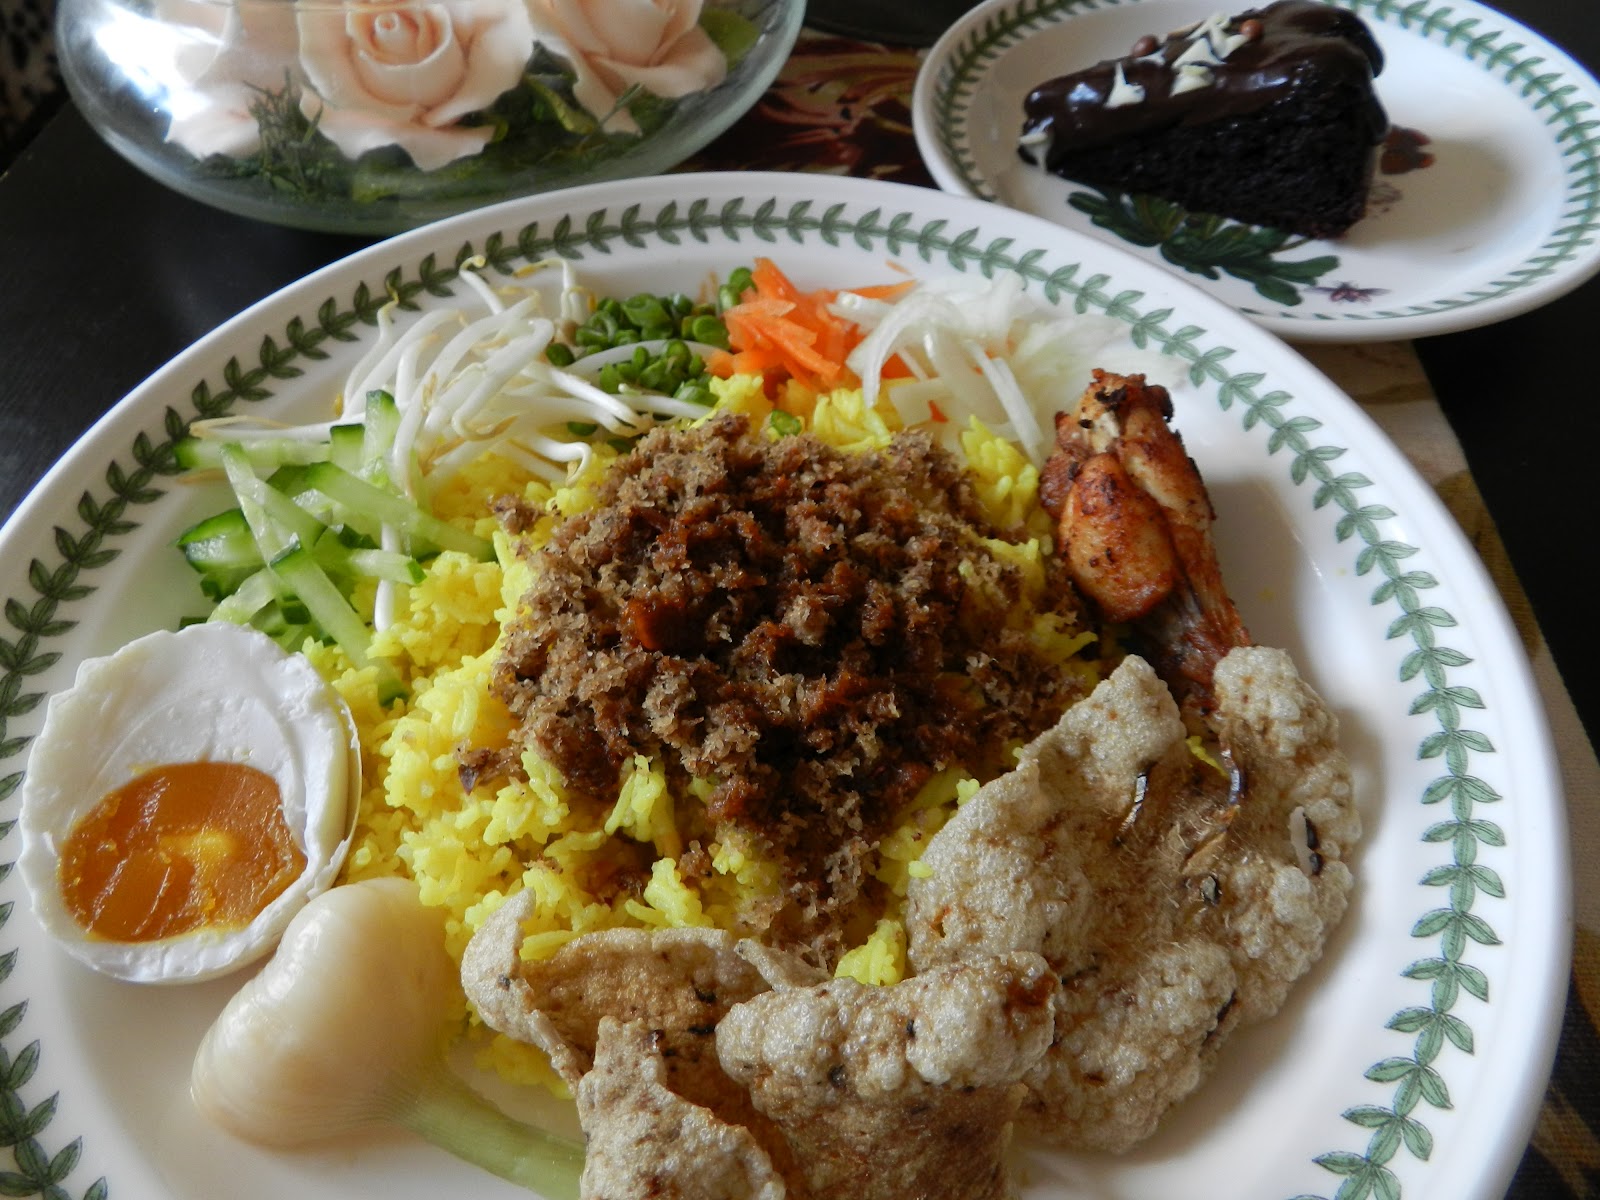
[[1268, 117]]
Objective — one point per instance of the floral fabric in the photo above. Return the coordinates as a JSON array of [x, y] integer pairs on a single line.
[[839, 106], [30, 87]]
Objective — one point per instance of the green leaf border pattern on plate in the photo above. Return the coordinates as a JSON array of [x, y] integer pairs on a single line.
[[968, 62], [1551, 94], [1456, 926]]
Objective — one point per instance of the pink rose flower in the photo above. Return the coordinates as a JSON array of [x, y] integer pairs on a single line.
[[398, 73], [613, 45], [220, 58]]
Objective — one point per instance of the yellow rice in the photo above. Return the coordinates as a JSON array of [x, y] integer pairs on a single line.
[[468, 852]]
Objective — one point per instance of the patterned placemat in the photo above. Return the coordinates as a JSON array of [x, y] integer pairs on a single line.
[[30, 86]]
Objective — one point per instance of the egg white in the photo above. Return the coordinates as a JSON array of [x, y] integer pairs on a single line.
[[209, 692]]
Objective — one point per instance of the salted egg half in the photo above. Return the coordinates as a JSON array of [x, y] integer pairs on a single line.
[[138, 730]]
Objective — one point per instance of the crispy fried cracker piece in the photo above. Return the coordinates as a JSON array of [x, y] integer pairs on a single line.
[[678, 982], [1285, 882], [779, 967], [900, 1091], [1032, 862], [645, 1142], [1013, 869], [1175, 897], [1134, 1036]]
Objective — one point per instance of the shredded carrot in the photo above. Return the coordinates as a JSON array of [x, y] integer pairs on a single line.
[[723, 363], [885, 291], [773, 283], [781, 331]]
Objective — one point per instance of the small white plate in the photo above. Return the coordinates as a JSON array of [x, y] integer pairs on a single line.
[[1408, 1065], [1504, 219]]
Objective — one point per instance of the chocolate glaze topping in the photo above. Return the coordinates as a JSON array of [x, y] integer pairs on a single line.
[[1218, 69]]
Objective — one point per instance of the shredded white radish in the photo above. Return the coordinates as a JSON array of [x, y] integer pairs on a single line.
[[462, 377], [1024, 425], [981, 349]]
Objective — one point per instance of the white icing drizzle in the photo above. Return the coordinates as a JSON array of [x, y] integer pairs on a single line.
[[1191, 77], [1197, 53], [1212, 29], [1230, 42], [1122, 92], [1211, 36]]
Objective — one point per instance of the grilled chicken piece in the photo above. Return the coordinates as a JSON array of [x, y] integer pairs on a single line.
[[1133, 522]]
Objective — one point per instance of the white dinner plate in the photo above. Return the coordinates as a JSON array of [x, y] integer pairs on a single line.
[[1409, 1063], [1504, 217]]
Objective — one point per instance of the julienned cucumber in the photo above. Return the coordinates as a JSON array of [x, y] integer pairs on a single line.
[[223, 550], [263, 452], [329, 610], [274, 519], [377, 438], [359, 496], [289, 557]]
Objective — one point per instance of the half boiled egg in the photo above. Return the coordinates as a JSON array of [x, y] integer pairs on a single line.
[[185, 798]]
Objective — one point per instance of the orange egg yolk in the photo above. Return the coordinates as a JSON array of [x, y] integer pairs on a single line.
[[182, 847]]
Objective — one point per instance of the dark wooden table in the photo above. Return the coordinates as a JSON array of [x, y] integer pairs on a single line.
[[104, 275]]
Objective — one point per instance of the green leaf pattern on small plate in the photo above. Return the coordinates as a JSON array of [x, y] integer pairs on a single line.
[[1208, 245], [1559, 102]]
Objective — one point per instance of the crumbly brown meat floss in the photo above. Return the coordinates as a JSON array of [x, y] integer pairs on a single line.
[[790, 622]]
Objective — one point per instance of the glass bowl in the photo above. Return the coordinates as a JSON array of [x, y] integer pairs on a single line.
[[375, 116]]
